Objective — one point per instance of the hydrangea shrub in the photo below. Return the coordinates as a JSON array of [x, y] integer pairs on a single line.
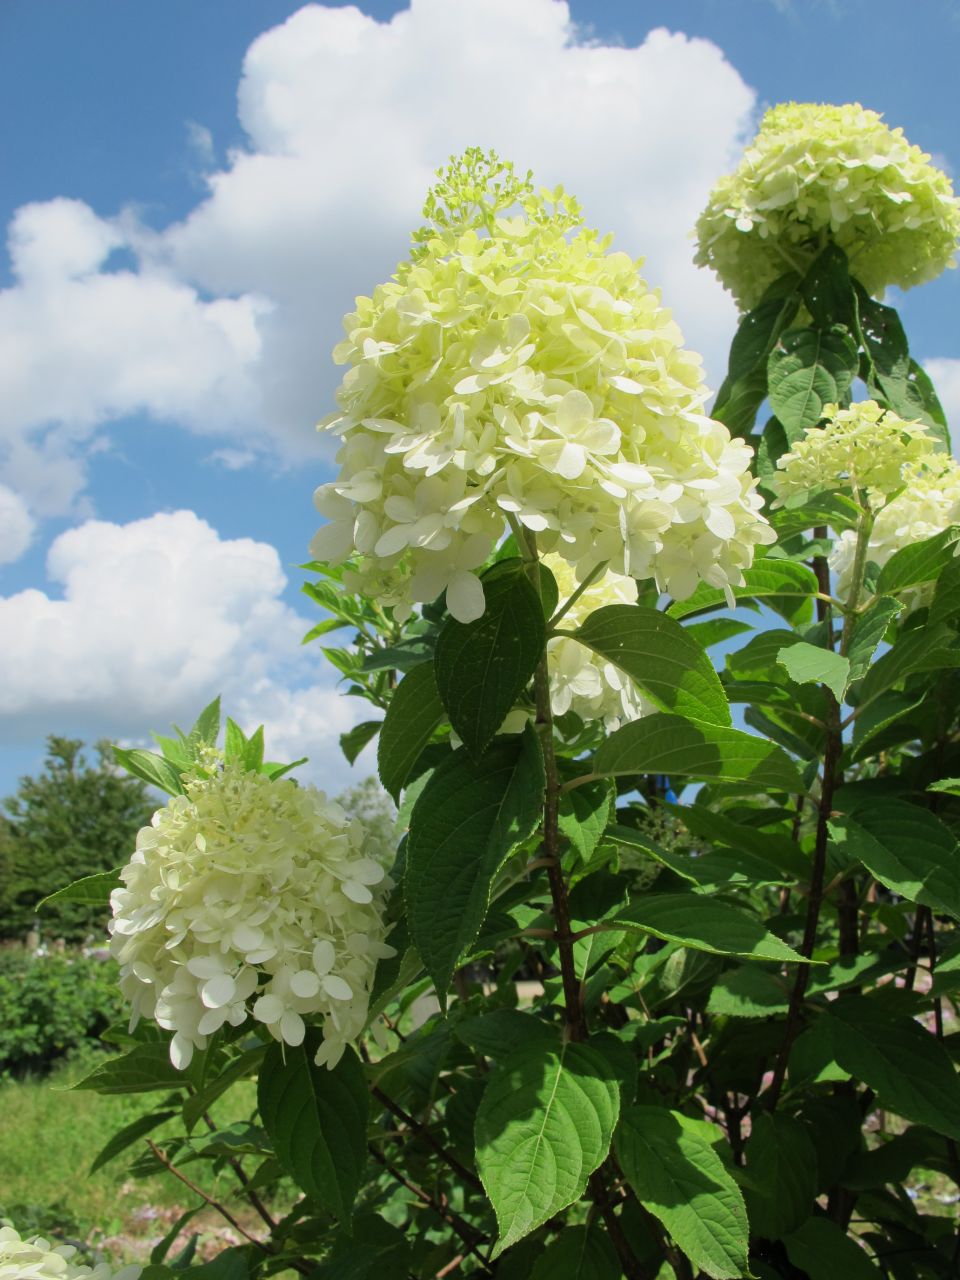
[[661, 978]]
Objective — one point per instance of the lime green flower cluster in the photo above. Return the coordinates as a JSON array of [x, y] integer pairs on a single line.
[[516, 369], [33, 1258], [928, 503], [816, 173], [250, 897], [863, 450]]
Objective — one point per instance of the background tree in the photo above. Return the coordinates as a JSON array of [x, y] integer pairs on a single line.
[[71, 820]]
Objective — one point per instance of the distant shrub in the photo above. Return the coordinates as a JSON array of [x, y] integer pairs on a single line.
[[51, 1005]]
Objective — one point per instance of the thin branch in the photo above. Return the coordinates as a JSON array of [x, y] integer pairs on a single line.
[[470, 1236], [244, 1181], [588, 581], [423, 1132], [214, 1204]]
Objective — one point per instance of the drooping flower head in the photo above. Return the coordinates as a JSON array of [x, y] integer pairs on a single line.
[[580, 680], [248, 897], [863, 449], [515, 367], [34, 1258], [817, 172], [928, 504]]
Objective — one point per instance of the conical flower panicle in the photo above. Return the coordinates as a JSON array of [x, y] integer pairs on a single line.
[[516, 368]]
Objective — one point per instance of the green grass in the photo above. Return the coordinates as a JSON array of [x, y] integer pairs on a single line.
[[49, 1137]]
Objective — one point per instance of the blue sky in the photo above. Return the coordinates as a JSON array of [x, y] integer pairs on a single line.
[[235, 247]]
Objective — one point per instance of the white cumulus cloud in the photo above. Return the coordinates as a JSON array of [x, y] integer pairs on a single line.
[[223, 323], [16, 526], [81, 346], [151, 620], [946, 379]]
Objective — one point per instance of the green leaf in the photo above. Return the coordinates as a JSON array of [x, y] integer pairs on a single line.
[[741, 400], [919, 562], [143, 1069], [810, 368], [906, 1065], [678, 1176], [745, 386], [501, 1031], [253, 751], [906, 848], [544, 1125], [823, 1251], [950, 786], [760, 328], [809, 664], [316, 1120], [467, 821], [584, 814], [782, 1168], [787, 587], [827, 290], [663, 658], [667, 744], [868, 631], [777, 850], [415, 711], [400, 657], [946, 600], [882, 712], [128, 1135], [921, 649], [701, 923], [235, 741], [716, 630], [151, 768], [578, 1253], [892, 377], [354, 740], [483, 667], [93, 891], [207, 727]]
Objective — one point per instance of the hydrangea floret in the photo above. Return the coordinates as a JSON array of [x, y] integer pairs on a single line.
[[816, 172], [34, 1258], [580, 680], [928, 503], [863, 449], [515, 369], [250, 897]]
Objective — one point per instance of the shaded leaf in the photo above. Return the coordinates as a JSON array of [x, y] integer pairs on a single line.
[[316, 1120], [673, 746], [906, 1065], [906, 848], [354, 740], [782, 1168], [483, 667], [465, 824], [703, 924], [414, 713], [678, 1177]]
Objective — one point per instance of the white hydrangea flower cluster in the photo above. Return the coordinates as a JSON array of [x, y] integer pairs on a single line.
[[34, 1258], [515, 368], [928, 504], [580, 680], [863, 449], [250, 897], [815, 172]]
